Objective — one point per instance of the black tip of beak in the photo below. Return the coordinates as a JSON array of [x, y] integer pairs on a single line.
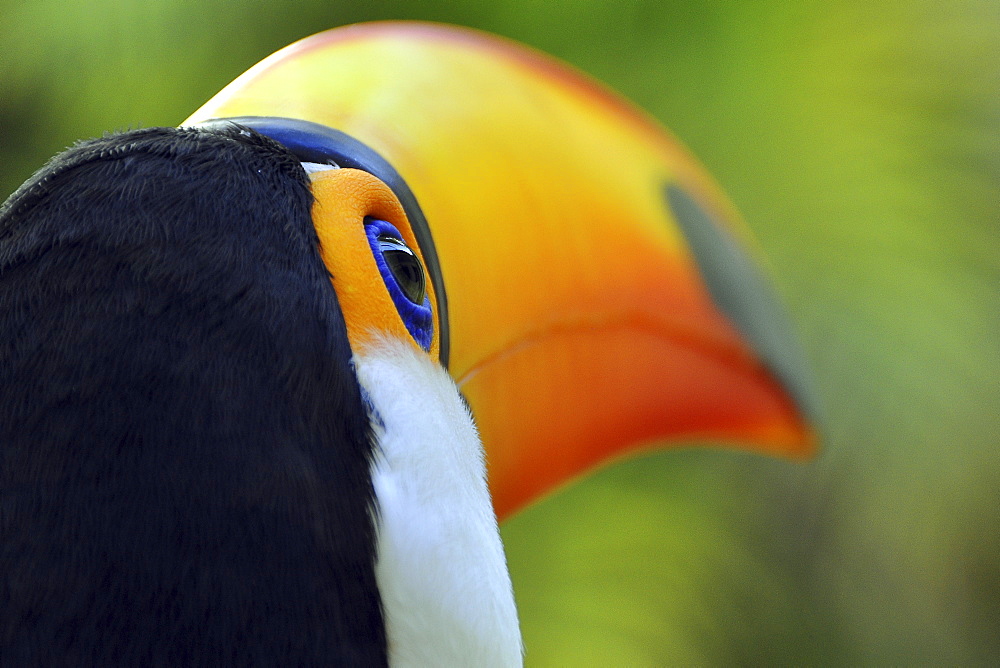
[[746, 298]]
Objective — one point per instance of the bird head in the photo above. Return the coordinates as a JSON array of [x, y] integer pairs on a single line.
[[241, 360]]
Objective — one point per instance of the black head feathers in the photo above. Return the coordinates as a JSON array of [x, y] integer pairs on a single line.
[[184, 449]]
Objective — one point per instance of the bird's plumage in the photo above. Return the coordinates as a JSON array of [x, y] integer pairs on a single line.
[[441, 568], [184, 470]]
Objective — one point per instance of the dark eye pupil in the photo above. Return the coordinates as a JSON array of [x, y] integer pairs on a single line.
[[405, 267]]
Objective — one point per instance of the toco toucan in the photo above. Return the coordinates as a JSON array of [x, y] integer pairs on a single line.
[[254, 370]]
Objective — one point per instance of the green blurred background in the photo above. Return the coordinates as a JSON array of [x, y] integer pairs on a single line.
[[862, 142]]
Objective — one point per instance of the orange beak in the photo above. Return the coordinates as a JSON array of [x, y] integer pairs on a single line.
[[597, 295]]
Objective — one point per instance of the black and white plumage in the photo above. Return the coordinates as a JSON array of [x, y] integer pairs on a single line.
[[188, 463]]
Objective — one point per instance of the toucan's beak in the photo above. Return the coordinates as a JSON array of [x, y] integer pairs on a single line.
[[602, 295]]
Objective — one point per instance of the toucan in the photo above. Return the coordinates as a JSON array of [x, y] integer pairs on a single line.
[[269, 379]]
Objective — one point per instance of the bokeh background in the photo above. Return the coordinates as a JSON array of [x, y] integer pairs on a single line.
[[862, 142]]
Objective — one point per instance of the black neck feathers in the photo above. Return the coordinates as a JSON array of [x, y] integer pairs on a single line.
[[184, 449]]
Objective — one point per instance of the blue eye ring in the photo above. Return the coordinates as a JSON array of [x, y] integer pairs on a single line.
[[401, 279]]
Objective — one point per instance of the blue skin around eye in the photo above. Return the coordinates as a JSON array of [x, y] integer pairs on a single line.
[[418, 318]]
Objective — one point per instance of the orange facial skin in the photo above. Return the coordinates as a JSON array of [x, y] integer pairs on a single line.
[[344, 198]]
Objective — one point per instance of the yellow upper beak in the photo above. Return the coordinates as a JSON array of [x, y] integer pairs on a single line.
[[601, 292]]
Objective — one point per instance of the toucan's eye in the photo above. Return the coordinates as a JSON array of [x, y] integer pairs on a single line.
[[404, 266], [404, 277]]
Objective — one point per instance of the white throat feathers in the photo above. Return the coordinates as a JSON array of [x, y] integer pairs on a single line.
[[441, 569]]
